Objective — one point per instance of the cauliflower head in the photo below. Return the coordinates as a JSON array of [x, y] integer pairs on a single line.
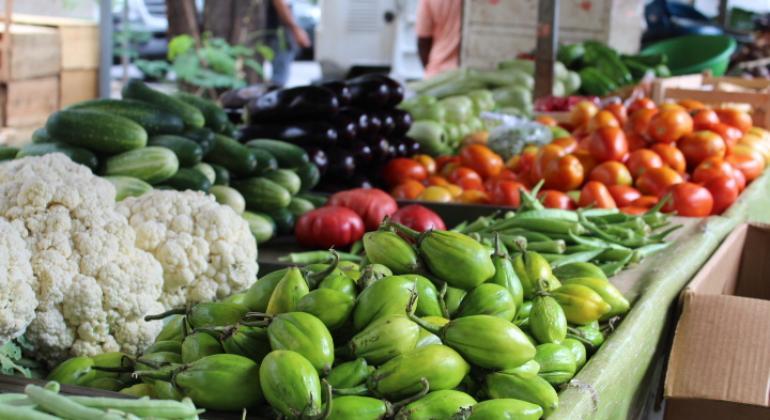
[[17, 297], [206, 249], [93, 285]]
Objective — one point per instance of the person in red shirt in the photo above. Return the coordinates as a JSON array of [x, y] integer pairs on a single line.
[[438, 34]]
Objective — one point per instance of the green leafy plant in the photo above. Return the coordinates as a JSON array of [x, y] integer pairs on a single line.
[[10, 356]]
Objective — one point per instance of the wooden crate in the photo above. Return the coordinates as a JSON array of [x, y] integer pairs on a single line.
[[25, 103], [78, 39], [33, 51], [78, 85]]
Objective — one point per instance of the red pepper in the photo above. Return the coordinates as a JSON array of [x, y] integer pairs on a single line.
[[370, 203], [327, 227], [419, 218]]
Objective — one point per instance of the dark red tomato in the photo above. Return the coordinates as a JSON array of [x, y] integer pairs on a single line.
[[556, 200], [623, 194], [724, 190], [419, 218], [689, 200], [597, 195], [327, 227], [371, 204], [506, 193], [398, 170]]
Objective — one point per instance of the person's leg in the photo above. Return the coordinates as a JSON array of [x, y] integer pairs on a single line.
[[285, 49]]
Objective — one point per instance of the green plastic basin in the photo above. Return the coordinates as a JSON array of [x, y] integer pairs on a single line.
[[695, 53]]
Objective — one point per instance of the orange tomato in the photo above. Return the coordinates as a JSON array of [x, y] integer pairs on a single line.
[[455, 190], [746, 150], [704, 119], [611, 173], [634, 210], [639, 121], [398, 170], [481, 159], [645, 201], [442, 161], [669, 125], [608, 143], [641, 103], [409, 190], [603, 118], [740, 179], [635, 141], [713, 167], [559, 170], [546, 120], [671, 106], [569, 144], [756, 143], [596, 194], [735, 118], [436, 194], [473, 197], [553, 199], [582, 112], [461, 172], [506, 193], [641, 160], [724, 190], [426, 161], [750, 166], [505, 175], [671, 156], [700, 146], [619, 111], [623, 195], [437, 180], [729, 134], [689, 199], [654, 181], [691, 104]]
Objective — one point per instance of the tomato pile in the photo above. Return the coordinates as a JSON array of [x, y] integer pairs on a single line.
[[615, 157]]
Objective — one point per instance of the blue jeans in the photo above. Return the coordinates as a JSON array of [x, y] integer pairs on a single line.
[[285, 49]]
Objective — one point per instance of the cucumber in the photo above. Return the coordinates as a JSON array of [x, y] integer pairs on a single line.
[[299, 206], [76, 154], [188, 179], [318, 200], [150, 164], [229, 197], [284, 221], [288, 155], [187, 151], [262, 194], [309, 174], [153, 119], [216, 118], [285, 178], [222, 175], [232, 155], [8, 152], [261, 225], [95, 130], [41, 136], [265, 161], [126, 186], [207, 170], [203, 136], [136, 89]]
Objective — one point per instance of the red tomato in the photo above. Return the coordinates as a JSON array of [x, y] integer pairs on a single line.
[[635, 141], [740, 179], [556, 200], [330, 226], [546, 120], [712, 168], [724, 190], [619, 111], [569, 144], [369, 203], [700, 146], [655, 181], [634, 210], [689, 199], [641, 160], [611, 173], [559, 170], [597, 195], [691, 104], [587, 161], [505, 175], [582, 112], [670, 125], [603, 119], [645, 201], [442, 161], [398, 170], [735, 118], [730, 135], [671, 156], [750, 166], [608, 143], [623, 194], [461, 172], [470, 184], [481, 159], [419, 218], [639, 122], [506, 193], [704, 119], [641, 103], [409, 190], [436, 180]]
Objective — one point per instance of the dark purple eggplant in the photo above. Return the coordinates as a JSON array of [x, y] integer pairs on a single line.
[[306, 102], [341, 90], [347, 127], [375, 125], [302, 133], [359, 117], [235, 115], [362, 152], [369, 94], [402, 120], [402, 149], [319, 158], [388, 124], [412, 146], [342, 164], [395, 89], [380, 148], [238, 98], [361, 181]]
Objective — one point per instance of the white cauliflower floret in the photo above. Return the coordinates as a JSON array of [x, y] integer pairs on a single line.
[[206, 249], [90, 279], [17, 297]]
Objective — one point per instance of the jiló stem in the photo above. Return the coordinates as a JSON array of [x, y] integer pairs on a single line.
[[422, 323], [312, 279], [421, 393], [356, 390], [411, 233], [163, 315], [329, 400], [442, 300], [579, 336]]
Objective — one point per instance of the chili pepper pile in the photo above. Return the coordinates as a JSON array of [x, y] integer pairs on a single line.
[[432, 325]]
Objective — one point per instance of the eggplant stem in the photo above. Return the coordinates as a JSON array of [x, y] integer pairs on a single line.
[[314, 278]]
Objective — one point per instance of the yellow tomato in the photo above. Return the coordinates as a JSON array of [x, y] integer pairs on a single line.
[[761, 132], [757, 143], [437, 194], [582, 112], [455, 190], [427, 162], [746, 150], [474, 197]]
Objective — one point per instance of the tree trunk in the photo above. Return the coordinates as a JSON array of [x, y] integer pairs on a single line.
[[182, 18]]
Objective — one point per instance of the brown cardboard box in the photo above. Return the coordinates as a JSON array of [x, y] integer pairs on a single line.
[[720, 359], [78, 85], [34, 51], [79, 39], [28, 102]]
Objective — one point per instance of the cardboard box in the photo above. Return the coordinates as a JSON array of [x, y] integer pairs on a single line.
[[28, 102], [34, 51], [79, 39], [719, 366], [78, 85]]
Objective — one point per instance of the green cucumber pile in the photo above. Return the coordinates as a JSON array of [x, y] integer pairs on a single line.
[[150, 140]]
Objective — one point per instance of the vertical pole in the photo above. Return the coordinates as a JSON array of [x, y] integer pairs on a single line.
[[105, 44], [723, 13], [545, 54]]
